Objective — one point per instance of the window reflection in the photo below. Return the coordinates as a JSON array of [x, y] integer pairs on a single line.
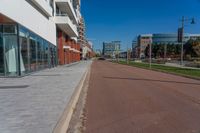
[[1, 53], [33, 59], [35, 53], [39, 53], [11, 58], [24, 62]]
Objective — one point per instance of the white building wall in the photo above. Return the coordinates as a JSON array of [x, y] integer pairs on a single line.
[[26, 15]]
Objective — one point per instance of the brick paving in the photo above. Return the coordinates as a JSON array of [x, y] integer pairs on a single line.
[[35, 103], [124, 99]]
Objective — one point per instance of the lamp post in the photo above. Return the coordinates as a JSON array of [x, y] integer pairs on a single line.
[[150, 52], [182, 34]]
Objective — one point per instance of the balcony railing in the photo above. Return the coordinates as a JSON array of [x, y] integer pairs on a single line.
[[65, 23], [67, 7]]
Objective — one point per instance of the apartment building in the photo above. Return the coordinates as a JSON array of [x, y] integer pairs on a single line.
[[85, 45], [67, 16], [82, 38], [37, 34]]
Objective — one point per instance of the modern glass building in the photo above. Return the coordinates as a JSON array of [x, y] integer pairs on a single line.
[[168, 38], [22, 51], [111, 49]]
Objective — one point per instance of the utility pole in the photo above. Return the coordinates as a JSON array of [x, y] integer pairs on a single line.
[[182, 34], [182, 40]]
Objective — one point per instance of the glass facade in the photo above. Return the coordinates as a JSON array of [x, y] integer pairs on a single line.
[[168, 38], [24, 50], [32, 53], [1, 52], [10, 50]]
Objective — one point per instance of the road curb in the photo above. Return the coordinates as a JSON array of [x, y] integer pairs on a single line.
[[63, 123]]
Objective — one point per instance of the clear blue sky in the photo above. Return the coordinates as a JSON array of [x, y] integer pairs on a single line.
[[108, 20]]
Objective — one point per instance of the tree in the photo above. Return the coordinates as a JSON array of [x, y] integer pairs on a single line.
[[192, 48], [196, 47], [146, 52]]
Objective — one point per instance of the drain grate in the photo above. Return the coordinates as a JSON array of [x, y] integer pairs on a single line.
[[14, 87]]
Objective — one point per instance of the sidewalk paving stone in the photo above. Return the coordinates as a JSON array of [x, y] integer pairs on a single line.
[[35, 103]]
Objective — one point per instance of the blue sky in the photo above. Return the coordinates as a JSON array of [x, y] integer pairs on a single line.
[[108, 20]]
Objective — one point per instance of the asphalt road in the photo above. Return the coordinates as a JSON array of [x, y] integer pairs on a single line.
[[124, 99]]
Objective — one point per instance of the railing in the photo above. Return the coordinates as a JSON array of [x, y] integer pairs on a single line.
[[62, 15]]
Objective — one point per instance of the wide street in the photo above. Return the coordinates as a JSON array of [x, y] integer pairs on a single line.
[[124, 99]]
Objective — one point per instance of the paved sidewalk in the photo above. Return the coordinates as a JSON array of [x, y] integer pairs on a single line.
[[35, 103]]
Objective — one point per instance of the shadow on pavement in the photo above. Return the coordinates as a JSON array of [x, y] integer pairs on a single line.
[[46, 75], [152, 80], [14, 87]]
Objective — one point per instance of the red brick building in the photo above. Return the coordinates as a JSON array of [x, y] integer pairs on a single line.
[[68, 49]]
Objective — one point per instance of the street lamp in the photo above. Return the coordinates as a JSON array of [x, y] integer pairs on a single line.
[[182, 34], [150, 57]]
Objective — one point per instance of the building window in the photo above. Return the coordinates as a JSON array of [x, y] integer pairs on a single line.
[[11, 58], [24, 51], [40, 53], [46, 53], [10, 50], [9, 29], [33, 51]]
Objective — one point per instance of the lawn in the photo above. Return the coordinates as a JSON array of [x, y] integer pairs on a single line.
[[192, 73]]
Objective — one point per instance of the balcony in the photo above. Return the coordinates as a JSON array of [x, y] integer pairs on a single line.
[[43, 6], [66, 7], [66, 25]]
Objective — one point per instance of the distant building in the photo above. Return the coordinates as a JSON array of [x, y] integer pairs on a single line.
[[194, 36], [169, 38], [98, 51], [87, 50], [111, 49], [172, 38], [123, 54], [143, 41], [134, 49]]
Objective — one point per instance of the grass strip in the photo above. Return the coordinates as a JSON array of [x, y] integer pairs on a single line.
[[186, 72]]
